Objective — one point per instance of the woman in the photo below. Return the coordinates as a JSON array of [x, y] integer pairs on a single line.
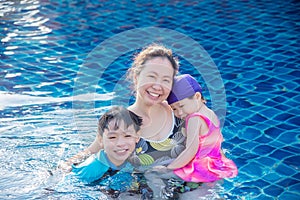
[[152, 75]]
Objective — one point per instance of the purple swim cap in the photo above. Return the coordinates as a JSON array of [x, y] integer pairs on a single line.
[[184, 86]]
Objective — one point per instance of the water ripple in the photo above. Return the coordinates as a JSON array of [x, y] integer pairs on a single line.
[[14, 100]]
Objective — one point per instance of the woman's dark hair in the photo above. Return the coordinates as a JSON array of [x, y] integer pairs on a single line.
[[152, 51]]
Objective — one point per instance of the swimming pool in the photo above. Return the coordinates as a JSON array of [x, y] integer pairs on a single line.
[[49, 112]]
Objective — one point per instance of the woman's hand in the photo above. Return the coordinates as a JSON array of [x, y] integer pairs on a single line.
[[159, 169]]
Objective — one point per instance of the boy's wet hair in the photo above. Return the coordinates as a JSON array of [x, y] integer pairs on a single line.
[[118, 114]]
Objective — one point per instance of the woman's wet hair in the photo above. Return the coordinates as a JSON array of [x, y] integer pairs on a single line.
[[149, 52], [117, 114]]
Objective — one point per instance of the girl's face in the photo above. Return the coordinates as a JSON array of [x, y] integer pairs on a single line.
[[186, 106], [155, 80], [119, 143]]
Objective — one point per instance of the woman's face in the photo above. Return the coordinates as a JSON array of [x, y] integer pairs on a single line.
[[154, 83]]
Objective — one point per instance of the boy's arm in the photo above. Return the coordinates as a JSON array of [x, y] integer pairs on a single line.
[[95, 147], [195, 125], [92, 169]]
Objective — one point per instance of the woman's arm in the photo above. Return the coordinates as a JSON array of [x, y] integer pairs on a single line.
[[195, 125], [95, 147]]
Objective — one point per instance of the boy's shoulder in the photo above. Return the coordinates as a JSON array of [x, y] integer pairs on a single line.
[[92, 168], [102, 157]]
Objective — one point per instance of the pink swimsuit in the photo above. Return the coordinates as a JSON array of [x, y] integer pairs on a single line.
[[209, 163]]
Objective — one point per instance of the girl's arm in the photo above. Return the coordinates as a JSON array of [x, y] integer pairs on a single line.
[[196, 125], [95, 147]]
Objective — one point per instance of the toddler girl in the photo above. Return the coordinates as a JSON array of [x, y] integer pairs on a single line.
[[202, 160]]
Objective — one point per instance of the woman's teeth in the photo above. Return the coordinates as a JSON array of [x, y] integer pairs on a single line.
[[153, 94]]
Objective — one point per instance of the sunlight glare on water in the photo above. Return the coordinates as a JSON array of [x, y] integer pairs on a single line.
[[35, 133]]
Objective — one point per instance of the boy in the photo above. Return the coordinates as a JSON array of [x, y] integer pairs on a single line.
[[118, 129]]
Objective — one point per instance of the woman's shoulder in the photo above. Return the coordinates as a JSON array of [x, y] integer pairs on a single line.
[[166, 105]]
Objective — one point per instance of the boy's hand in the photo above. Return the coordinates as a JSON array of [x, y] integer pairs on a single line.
[[77, 159], [65, 167]]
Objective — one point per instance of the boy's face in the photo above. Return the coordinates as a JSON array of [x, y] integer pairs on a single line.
[[120, 143]]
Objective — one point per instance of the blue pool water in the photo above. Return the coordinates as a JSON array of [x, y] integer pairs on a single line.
[[62, 64]]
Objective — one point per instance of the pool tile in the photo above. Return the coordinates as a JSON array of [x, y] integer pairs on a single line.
[[263, 149], [282, 107], [250, 192], [256, 53], [273, 190], [270, 112], [280, 154], [295, 187], [249, 145], [253, 168], [273, 132], [250, 134], [264, 139], [285, 170], [283, 117], [293, 161], [272, 177], [264, 197], [288, 182], [287, 137], [289, 195], [294, 121], [278, 144]]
